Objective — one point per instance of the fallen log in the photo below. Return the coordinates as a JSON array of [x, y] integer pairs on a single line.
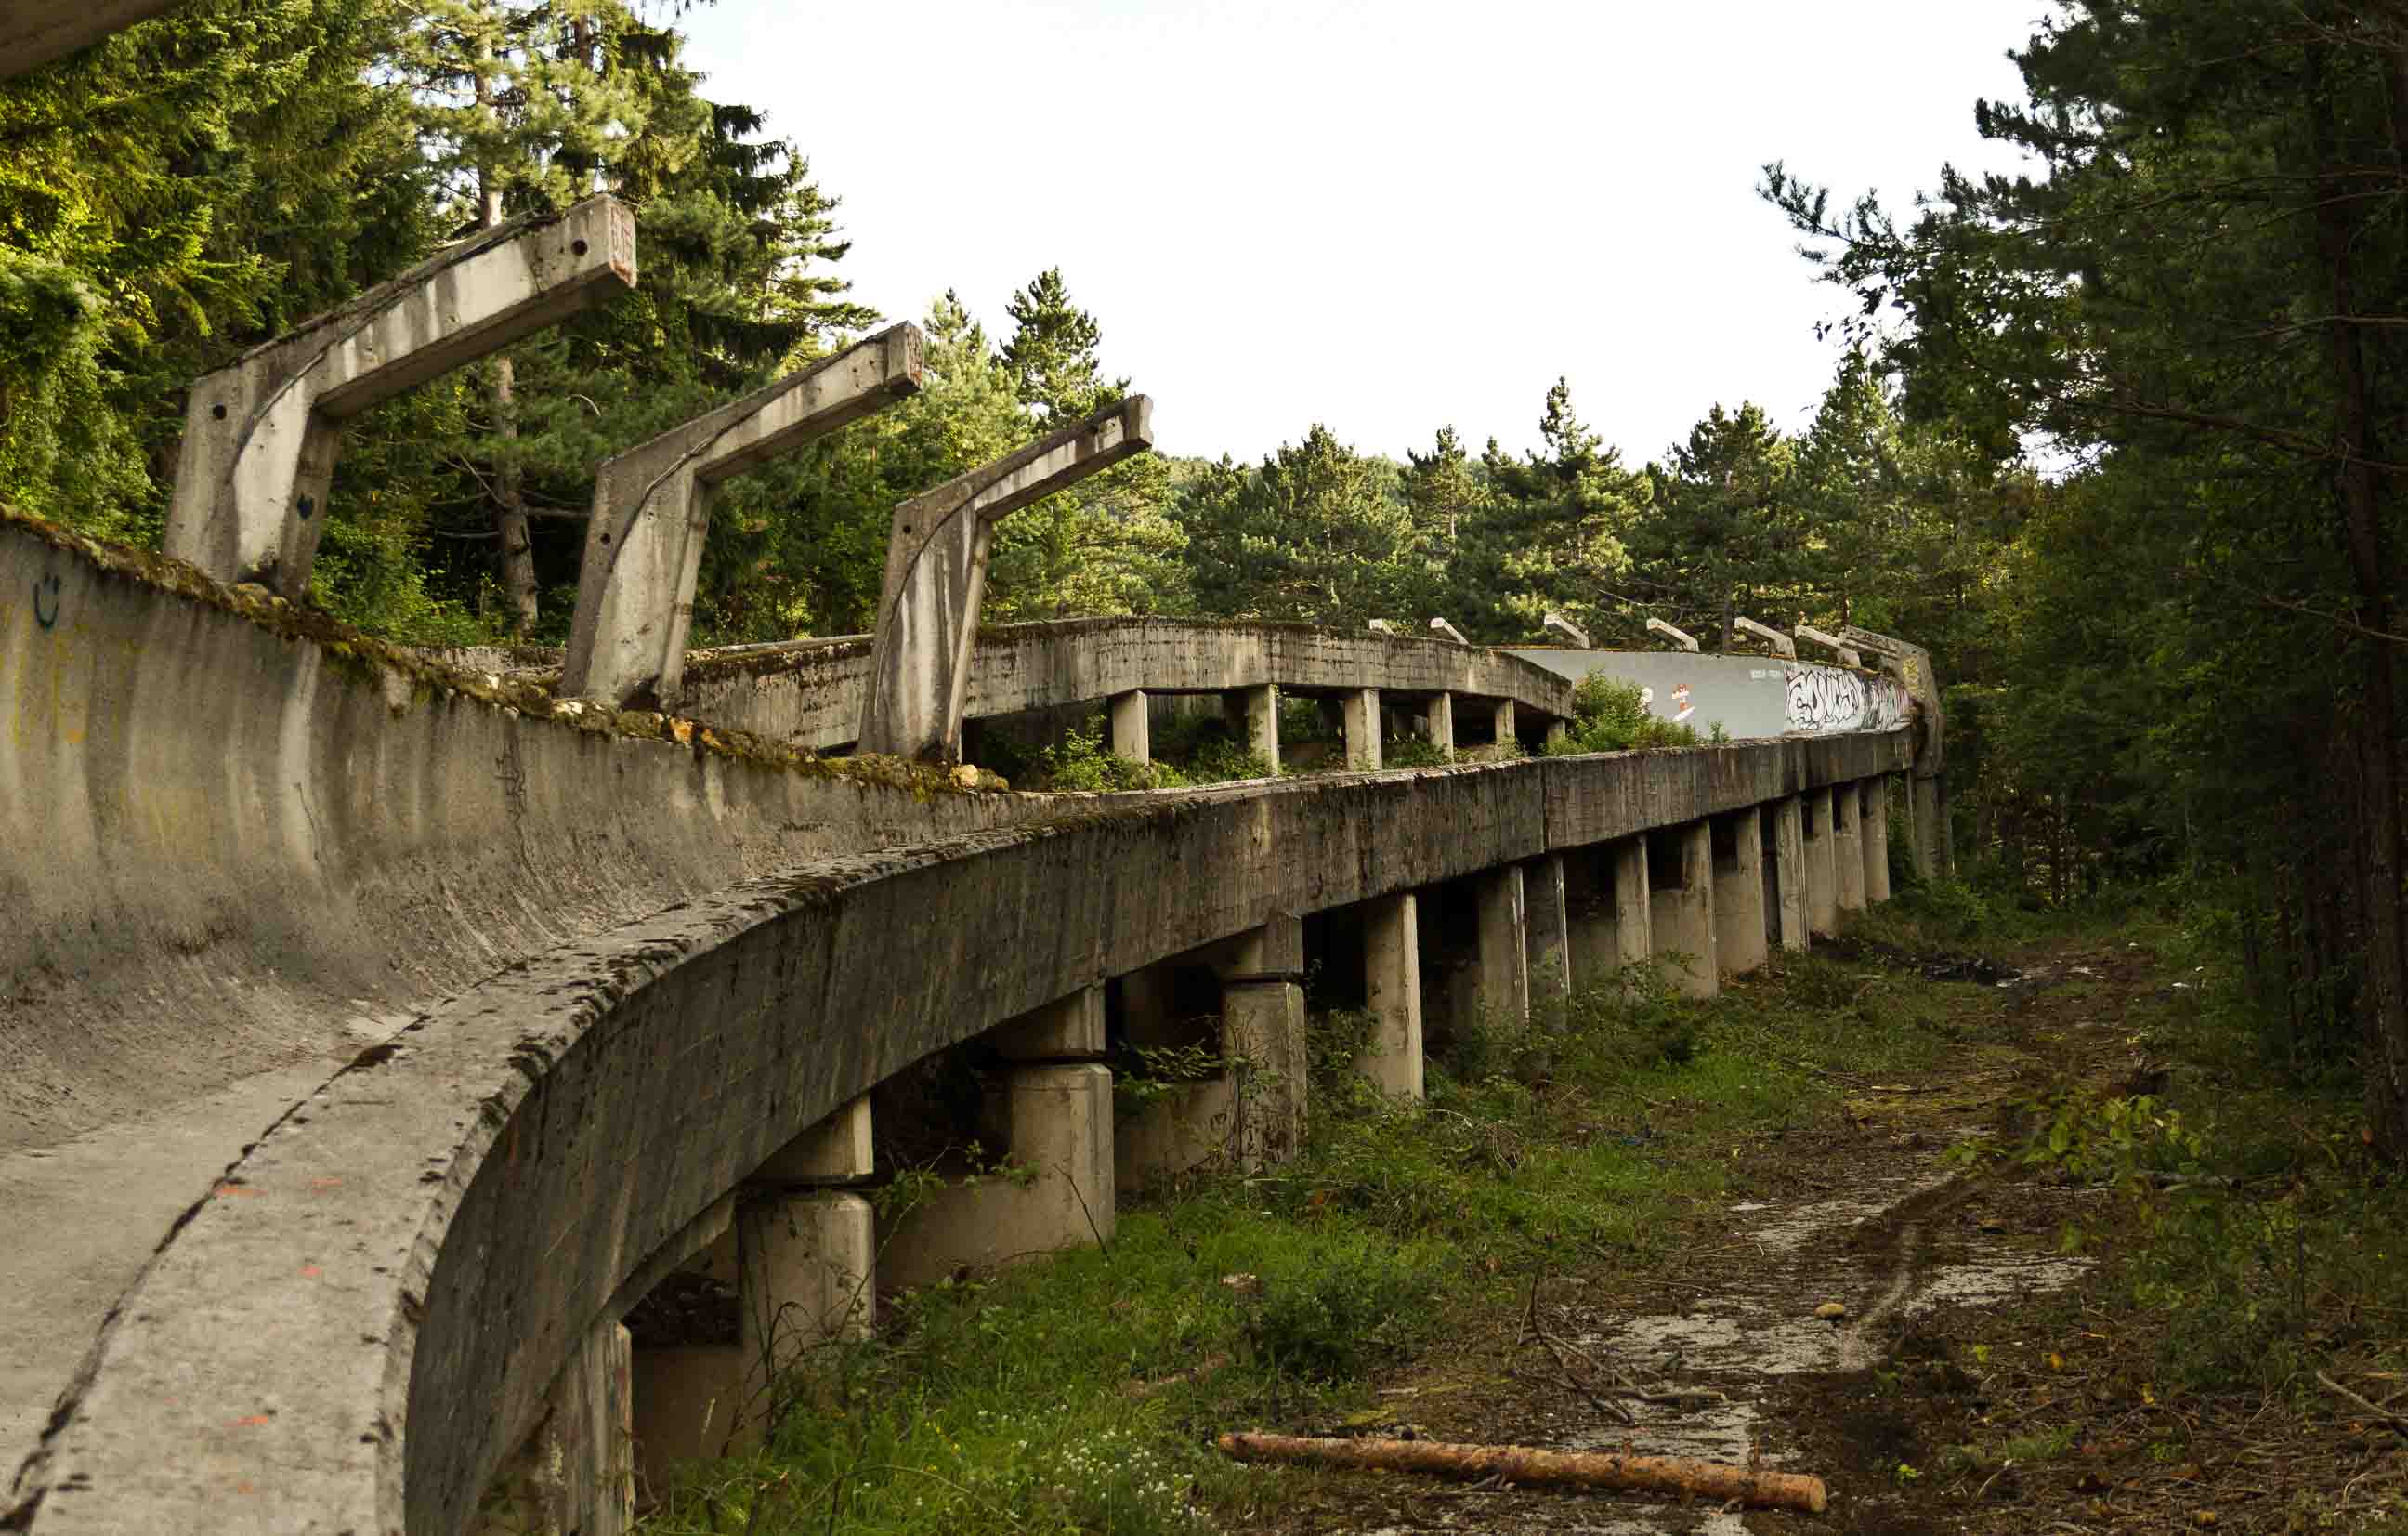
[[1673, 1475]]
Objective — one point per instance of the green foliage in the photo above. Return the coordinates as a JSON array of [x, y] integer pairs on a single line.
[[1413, 752], [1608, 717], [1083, 762], [1315, 535], [1353, 1306]]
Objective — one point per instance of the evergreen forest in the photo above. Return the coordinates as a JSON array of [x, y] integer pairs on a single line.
[[2122, 440]]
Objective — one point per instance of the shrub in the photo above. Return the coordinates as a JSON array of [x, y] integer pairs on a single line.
[[1340, 1311], [1609, 716], [1082, 762]]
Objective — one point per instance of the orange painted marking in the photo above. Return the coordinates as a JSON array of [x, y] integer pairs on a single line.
[[233, 1189], [326, 1184], [310, 1272], [253, 1422]]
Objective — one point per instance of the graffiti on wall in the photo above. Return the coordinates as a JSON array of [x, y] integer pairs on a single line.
[[1830, 698]]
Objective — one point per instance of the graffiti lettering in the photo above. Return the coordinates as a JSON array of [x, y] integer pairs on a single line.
[[1829, 698]]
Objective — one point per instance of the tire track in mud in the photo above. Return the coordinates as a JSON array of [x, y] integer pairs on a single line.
[[1876, 1251]]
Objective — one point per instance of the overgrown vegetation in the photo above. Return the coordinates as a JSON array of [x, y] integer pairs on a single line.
[[1610, 714], [1078, 1393]]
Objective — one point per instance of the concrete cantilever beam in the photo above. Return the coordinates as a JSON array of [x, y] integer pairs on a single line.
[[1846, 652], [936, 573], [1780, 644], [1555, 624], [1681, 638], [34, 32], [652, 511], [1442, 627], [262, 432]]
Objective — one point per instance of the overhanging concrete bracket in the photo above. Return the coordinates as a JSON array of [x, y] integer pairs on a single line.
[[652, 512], [261, 434], [1681, 638], [1442, 627], [1555, 624], [935, 574], [34, 32], [1846, 652], [1382, 626], [1780, 644]]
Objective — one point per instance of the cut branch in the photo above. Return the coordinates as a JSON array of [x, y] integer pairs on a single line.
[[1673, 1475]]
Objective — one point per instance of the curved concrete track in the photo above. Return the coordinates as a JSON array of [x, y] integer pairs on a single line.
[[555, 981]]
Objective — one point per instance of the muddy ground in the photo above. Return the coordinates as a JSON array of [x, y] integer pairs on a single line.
[[1982, 1380]]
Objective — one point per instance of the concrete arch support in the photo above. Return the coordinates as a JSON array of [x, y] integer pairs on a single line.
[[262, 434]]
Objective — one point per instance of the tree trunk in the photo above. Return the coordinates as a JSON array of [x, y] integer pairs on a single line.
[[516, 553], [2384, 1006]]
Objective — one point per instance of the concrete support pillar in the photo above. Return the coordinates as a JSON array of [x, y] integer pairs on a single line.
[[1684, 909], [1501, 988], [1262, 1025], [1189, 1123], [1363, 729], [1847, 848], [1944, 829], [1738, 894], [1922, 796], [1132, 732], [809, 1260], [1634, 904], [1392, 991], [697, 1393], [652, 513], [1442, 724], [1790, 876], [1058, 1123], [1557, 730], [575, 1475], [262, 434], [937, 555], [1507, 737], [1547, 934], [1252, 717], [1876, 840], [1822, 878]]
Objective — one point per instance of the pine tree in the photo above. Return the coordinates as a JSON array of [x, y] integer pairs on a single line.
[[1107, 545], [1724, 535]]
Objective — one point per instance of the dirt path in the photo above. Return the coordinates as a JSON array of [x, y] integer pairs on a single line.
[[1721, 1353]]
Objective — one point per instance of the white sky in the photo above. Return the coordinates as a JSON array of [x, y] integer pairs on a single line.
[[1383, 214]]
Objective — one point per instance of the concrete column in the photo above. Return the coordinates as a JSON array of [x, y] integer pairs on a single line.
[[1363, 729], [1923, 798], [696, 1394], [1822, 878], [1132, 732], [1739, 896], [1253, 717], [1392, 991], [1262, 1025], [1789, 869], [1058, 1123], [936, 576], [808, 1262], [1557, 730], [1634, 904], [575, 1475], [1507, 738], [1502, 982], [1876, 840], [1547, 933], [1441, 720], [1944, 829], [836, 1150], [1684, 914], [262, 434], [1847, 848]]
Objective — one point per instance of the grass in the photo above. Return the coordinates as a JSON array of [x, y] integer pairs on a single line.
[[1080, 1393]]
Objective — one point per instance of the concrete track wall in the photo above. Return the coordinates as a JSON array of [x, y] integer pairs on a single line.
[[809, 694], [1745, 696], [230, 845]]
